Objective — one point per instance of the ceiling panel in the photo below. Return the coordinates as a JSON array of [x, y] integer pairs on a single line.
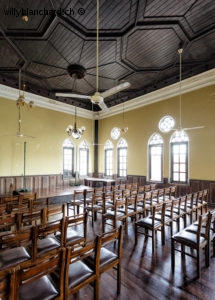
[[138, 43]]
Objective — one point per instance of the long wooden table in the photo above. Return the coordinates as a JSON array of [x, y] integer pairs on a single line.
[[97, 182]]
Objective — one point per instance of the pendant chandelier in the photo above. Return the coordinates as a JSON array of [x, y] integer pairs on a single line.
[[116, 131], [21, 102], [74, 131]]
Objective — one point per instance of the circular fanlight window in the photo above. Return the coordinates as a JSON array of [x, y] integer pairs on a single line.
[[115, 133], [166, 124]]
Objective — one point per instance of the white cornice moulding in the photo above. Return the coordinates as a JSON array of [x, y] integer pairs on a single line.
[[193, 83]]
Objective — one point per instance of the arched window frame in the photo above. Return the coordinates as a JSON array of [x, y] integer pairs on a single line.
[[122, 158], [179, 150], [68, 159], [155, 157], [108, 159]]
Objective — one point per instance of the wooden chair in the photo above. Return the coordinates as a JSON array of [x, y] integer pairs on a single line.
[[45, 241], [76, 202], [149, 225], [95, 206], [208, 230], [42, 280], [29, 219], [77, 272], [55, 211], [8, 223], [75, 233], [24, 202], [118, 214], [16, 249], [110, 253], [192, 240]]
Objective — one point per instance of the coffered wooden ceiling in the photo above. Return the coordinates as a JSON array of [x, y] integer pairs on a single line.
[[138, 42]]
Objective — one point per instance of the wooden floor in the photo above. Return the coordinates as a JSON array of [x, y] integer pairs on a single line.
[[147, 276]]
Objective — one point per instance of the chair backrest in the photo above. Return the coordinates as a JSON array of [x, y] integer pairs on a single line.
[[212, 227], [22, 277], [114, 237], [29, 219], [20, 238], [78, 194], [50, 229], [55, 211], [8, 222], [158, 209], [203, 221], [77, 223]]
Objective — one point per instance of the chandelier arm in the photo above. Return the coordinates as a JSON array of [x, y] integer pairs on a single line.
[[180, 68]]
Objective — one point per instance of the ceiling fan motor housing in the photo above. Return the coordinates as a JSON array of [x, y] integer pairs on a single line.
[[96, 98], [76, 71]]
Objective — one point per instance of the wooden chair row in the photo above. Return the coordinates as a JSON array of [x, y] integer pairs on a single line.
[[165, 213], [195, 238], [61, 274]]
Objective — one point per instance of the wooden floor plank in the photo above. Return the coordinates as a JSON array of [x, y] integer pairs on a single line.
[[147, 276]]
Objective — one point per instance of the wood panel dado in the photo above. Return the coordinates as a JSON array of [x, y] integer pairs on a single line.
[[36, 182], [33, 182]]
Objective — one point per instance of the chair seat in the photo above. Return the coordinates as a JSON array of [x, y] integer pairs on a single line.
[[147, 222], [78, 272], [73, 235], [42, 288], [13, 256], [112, 214], [95, 207], [188, 237], [47, 244]]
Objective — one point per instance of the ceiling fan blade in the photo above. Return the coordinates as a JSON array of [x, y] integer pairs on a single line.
[[103, 106], [70, 95], [115, 89], [191, 128]]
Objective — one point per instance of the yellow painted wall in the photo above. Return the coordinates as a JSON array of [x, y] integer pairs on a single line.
[[43, 153], [198, 108]]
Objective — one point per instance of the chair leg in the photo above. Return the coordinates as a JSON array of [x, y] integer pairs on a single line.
[[118, 278], [198, 264], [172, 254], [96, 288], [135, 234]]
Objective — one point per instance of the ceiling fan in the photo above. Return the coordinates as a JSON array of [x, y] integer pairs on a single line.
[[180, 128], [97, 97]]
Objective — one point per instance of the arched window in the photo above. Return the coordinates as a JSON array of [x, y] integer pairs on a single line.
[[155, 152], [122, 158], [68, 158], [179, 156], [108, 151], [83, 158]]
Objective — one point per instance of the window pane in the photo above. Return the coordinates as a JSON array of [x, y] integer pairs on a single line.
[[179, 160], [122, 158]]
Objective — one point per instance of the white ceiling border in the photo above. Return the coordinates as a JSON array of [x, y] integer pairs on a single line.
[[193, 83]]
